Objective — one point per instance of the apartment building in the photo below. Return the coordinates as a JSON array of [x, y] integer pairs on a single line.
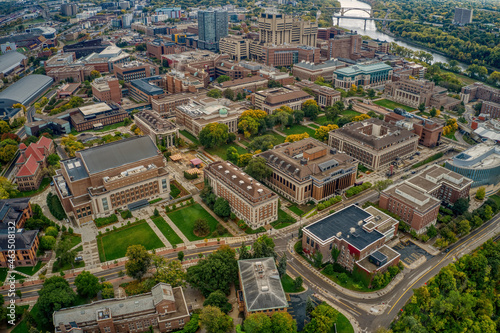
[[311, 71], [163, 308], [360, 236], [162, 131], [202, 110], [274, 98], [124, 174], [366, 76], [325, 96], [97, 116], [107, 89], [134, 70], [30, 163], [480, 91], [428, 131], [414, 92], [491, 108], [345, 46], [260, 290], [14, 213], [417, 200], [166, 106], [309, 170], [279, 29], [249, 200], [237, 47], [374, 143]]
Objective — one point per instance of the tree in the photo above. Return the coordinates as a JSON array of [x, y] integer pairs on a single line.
[[309, 306], [463, 227], [64, 253], [481, 193], [283, 322], [263, 247], [156, 212], [298, 115], [258, 169], [460, 206], [214, 93], [214, 134], [297, 283], [322, 132], [258, 323], [296, 137], [244, 159], [139, 261], [55, 294], [382, 184], [274, 84], [282, 265], [264, 142], [218, 299], [232, 155], [221, 207], [107, 290], [421, 107], [201, 227], [371, 93], [223, 78], [244, 254], [215, 321], [216, 272], [47, 243], [318, 259], [249, 126], [87, 284], [7, 189], [170, 272], [433, 112], [229, 94], [180, 256], [323, 317], [311, 109]]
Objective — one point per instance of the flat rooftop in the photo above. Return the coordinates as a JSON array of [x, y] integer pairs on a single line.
[[412, 197], [481, 156], [95, 108]]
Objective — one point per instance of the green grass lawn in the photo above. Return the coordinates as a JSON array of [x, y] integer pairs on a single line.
[[288, 287], [184, 220], [323, 121], [362, 168], [280, 138], [22, 327], [299, 129], [284, 220], [391, 105], [114, 244], [245, 143], [222, 150], [343, 325], [313, 126], [350, 284], [190, 136], [75, 239], [43, 185], [79, 249], [350, 113], [30, 270], [428, 160], [296, 210], [166, 230], [56, 268], [3, 273], [174, 191], [494, 197], [451, 136]]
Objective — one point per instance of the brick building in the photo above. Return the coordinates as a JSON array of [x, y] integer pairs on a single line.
[[311, 71], [274, 98], [30, 163], [491, 108], [202, 110], [325, 96], [134, 70], [13, 214], [107, 89], [237, 47], [177, 82], [146, 89], [309, 170], [428, 131], [374, 143], [268, 72], [124, 174], [246, 84], [279, 29], [249, 200], [96, 116], [162, 131], [345, 46], [260, 287], [480, 91], [164, 308], [416, 201], [167, 105], [360, 236], [284, 55], [157, 48], [59, 60], [77, 73]]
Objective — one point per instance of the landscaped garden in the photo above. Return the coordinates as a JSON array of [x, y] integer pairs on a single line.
[[185, 219], [296, 210], [190, 136], [350, 113], [222, 150], [289, 284], [166, 230], [284, 220], [392, 105], [113, 245], [104, 221]]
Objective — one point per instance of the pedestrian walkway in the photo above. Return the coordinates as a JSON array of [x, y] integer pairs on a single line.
[[158, 233], [174, 227], [237, 232]]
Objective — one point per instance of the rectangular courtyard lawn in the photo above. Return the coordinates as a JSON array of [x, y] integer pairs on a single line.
[[190, 137], [222, 150], [392, 105], [184, 220], [280, 138], [299, 129], [113, 245], [166, 230]]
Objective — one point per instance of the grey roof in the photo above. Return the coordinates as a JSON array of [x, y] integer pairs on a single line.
[[75, 169], [23, 239], [25, 90], [342, 221], [11, 210], [118, 153], [261, 285], [10, 60], [326, 64], [146, 87]]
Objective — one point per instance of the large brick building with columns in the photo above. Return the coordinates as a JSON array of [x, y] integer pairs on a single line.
[[309, 170], [249, 200]]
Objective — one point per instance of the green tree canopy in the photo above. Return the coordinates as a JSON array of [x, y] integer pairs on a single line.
[[218, 299], [139, 261], [215, 321], [258, 169], [214, 134], [54, 295], [87, 284]]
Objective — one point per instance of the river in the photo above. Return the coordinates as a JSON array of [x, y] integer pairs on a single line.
[[372, 32]]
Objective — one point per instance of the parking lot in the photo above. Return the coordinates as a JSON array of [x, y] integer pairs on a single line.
[[410, 252]]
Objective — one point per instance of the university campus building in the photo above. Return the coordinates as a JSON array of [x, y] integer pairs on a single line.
[[249, 200], [273, 98], [360, 236], [366, 76], [428, 131], [124, 174], [373, 142], [164, 308], [417, 200], [162, 131], [309, 170], [30, 163]]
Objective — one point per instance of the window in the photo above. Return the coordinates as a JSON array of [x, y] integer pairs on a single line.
[[164, 183], [105, 203]]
